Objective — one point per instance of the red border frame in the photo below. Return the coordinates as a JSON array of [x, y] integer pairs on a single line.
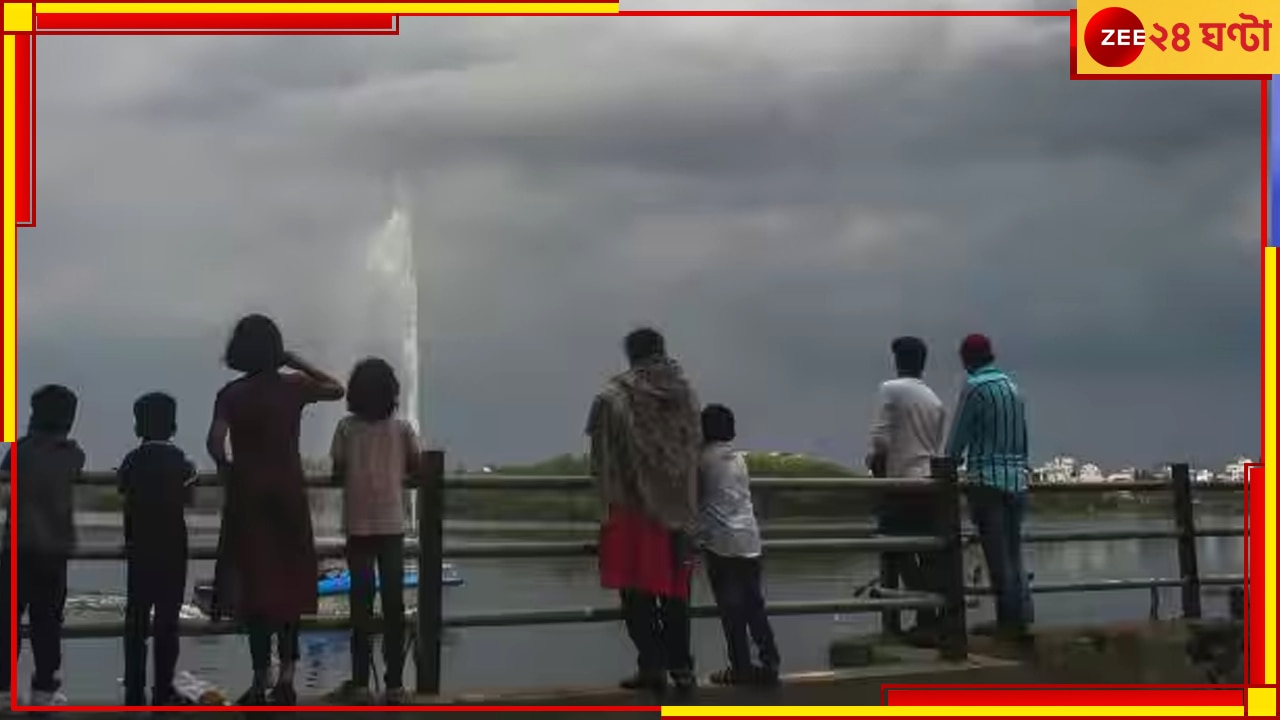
[[24, 114], [381, 24], [214, 23], [1255, 567]]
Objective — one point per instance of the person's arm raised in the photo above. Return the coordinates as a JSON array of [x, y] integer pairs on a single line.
[[325, 387]]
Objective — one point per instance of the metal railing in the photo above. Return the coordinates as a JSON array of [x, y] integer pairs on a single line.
[[950, 600]]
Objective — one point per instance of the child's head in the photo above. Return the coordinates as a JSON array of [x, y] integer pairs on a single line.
[[373, 393], [53, 410], [718, 424], [255, 346], [155, 416]]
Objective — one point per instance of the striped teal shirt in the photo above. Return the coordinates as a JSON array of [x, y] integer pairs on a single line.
[[990, 431]]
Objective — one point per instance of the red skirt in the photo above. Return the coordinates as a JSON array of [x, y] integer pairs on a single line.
[[637, 553]]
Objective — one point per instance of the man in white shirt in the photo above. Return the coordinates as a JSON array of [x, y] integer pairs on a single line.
[[909, 429]]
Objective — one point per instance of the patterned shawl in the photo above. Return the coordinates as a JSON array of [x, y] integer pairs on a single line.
[[645, 436]]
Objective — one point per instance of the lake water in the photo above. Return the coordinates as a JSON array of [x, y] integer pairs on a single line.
[[598, 654]]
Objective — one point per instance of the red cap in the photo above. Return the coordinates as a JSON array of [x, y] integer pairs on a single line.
[[976, 345]]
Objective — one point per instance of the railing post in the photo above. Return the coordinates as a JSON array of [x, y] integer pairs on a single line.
[[1185, 519], [954, 638], [430, 482]]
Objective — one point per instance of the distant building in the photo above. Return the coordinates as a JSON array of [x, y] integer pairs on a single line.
[[1235, 471], [1061, 469], [1090, 473]]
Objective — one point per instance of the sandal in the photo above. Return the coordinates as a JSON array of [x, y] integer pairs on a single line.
[[684, 681]]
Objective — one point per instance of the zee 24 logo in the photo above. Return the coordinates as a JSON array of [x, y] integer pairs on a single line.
[[1115, 37]]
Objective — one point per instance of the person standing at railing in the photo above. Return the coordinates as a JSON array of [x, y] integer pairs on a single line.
[[990, 435], [48, 463], [729, 536], [155, 480], [645, 440], [266, 569], [373, 452], [909, 429]]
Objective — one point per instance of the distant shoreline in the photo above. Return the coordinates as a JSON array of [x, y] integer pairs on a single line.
[[826, 519]]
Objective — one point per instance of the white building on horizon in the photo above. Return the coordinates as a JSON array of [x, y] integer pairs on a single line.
[[1067, 469], [1235, 472], [1061, 469]]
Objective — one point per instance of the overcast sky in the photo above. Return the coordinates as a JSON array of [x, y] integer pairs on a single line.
[[780, 196]]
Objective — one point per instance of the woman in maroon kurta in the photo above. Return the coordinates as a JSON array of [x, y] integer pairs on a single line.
[[266, 571]]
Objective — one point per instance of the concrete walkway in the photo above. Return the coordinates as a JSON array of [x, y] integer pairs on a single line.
[[1135, 653]]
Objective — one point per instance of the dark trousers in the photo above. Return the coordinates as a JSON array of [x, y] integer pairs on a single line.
[[659, 627], [998, 517], [42, 597], [919, 572], [262, 632], [385, 553], [735, 581], [155, 585]]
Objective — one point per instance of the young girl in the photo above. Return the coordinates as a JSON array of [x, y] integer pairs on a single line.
[[730, 540], [373, 451], [266, 570]]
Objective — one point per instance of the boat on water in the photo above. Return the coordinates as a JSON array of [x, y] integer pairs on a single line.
[[335, 581]]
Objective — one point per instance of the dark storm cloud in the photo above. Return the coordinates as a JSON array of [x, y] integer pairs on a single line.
[[781, 196]]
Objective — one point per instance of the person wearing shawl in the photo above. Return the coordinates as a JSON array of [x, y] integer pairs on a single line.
[[645, 437]]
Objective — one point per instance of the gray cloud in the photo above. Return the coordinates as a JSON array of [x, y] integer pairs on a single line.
[[781, 196]]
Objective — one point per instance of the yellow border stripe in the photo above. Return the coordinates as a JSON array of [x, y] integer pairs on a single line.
[[17, 17], [10, 239], [1269, 455], [976, 711], [1262, 702], [393, 8]]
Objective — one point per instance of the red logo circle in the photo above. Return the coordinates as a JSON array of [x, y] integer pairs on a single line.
[[1114, 37]]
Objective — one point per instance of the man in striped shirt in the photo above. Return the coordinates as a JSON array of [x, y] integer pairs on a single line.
[[990, 434]]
